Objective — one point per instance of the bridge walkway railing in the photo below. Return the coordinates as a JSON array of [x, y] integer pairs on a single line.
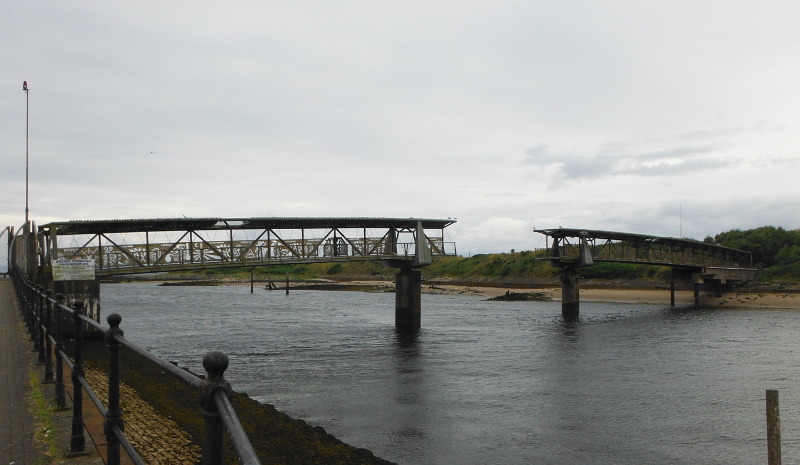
[[116, 258], [44, 317], [652, 253]]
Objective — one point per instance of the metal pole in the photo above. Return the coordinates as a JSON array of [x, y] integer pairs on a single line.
[[60, 388], [40, 325], [215, 364], [48, 319], [114, 415], [27, 121], [31, 305]]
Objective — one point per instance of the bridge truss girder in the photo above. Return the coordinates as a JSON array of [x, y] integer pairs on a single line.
[[640, 249], [271, 241]]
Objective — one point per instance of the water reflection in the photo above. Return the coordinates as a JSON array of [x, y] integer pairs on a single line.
[[411, 422], [407, 343], [570, 328]]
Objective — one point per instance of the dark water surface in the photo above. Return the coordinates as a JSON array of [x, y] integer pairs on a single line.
[[491, 382]]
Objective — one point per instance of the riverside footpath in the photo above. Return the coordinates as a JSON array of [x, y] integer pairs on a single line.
[[23, 436]]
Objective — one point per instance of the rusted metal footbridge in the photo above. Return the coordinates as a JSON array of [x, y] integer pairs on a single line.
[[122, 247], [690, 261]]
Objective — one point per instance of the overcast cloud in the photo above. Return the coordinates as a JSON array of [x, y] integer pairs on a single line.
[[604, 115]]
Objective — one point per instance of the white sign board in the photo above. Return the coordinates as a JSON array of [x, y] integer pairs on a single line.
[[81, 269]]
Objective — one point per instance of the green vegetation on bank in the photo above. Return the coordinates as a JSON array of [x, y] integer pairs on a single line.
[[776, 252], [524, 265]]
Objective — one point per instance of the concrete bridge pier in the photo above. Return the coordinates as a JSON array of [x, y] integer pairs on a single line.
[[698, 298], [570, 293], [407, 299]]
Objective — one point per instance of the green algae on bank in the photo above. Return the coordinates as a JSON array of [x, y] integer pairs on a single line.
[[276, 437]]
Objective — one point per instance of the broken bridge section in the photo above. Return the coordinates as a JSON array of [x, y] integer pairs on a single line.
[[691, 261]]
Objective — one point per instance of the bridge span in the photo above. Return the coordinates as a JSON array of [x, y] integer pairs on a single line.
[[690, 261], [116, 247]]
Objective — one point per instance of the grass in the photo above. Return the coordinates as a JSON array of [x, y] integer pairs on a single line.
[[45, 427], [523, 265]]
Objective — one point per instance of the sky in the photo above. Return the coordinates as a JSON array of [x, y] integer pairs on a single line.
[[671, 118]]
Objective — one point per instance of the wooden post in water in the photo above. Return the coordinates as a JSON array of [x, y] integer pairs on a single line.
[[251, 281], [287, 283], [773, 428], [672, 294]]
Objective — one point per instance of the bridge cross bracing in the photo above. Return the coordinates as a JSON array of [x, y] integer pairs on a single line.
[[180, 244]]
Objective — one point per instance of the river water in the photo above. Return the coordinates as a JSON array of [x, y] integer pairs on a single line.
[[491, 382]]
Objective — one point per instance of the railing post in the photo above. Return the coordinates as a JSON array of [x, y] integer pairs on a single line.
[[48, 323], [114, 415], [215, 364], [78, 441], [40, 324], [29, 306], [61, 401]]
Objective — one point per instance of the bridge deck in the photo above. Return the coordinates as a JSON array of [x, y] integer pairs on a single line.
[[173, 244]]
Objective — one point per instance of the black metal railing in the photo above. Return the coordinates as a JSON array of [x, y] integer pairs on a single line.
[[45, 315]]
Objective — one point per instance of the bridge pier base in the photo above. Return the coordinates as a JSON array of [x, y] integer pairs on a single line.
[[407, 299], [570, 294]]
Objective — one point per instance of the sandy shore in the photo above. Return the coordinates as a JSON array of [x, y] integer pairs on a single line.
[[649, 296]]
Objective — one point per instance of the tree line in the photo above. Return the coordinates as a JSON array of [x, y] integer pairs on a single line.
[[776, 251]]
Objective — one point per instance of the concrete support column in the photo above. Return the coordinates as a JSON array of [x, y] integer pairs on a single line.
[[408, 304], [570, 294]]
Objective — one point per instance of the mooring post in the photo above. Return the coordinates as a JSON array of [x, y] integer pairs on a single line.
[[114, 416], [48, 322], [251, 281], [570, 293], [287, 283], [215, 364], [408, 299], [773, 428], [61, 401], [77, 442]]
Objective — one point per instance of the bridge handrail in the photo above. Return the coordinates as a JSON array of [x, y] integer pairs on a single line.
[[44, 316]]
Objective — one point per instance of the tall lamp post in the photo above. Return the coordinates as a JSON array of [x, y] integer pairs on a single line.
[[27, 107]]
